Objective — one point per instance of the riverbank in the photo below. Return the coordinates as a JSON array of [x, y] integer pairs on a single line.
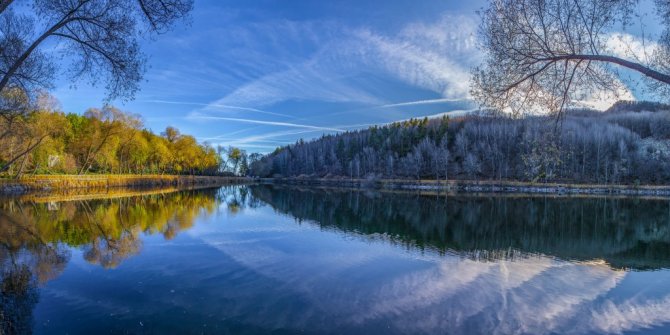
[[480, 186], [46, 183]]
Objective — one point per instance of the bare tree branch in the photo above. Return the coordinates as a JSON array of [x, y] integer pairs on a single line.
[[4, 4], [100, 36], [542, 54]]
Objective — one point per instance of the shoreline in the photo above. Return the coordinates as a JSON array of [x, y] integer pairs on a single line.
[[100, 183], [481, 186], [49, 183]]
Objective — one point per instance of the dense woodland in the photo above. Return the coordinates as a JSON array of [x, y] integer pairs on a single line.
[[42, 139], [626, 144]]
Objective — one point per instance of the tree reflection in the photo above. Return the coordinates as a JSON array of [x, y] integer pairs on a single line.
[[36, 237], [108, 230], [626, 233], [26, 260]]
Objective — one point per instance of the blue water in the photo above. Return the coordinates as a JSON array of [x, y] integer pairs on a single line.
[[258, 259]]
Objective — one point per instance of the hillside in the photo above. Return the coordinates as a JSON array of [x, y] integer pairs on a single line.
[[627, 144]]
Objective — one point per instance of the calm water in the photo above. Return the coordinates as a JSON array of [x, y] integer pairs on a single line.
[[258, 259]]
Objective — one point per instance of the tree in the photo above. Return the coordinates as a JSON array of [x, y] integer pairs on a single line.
[[24, 132], [98, 138], [441, 158], [544, 54], [628, 144], [171, 134], [100, 37], [244, 164], [234, 157]]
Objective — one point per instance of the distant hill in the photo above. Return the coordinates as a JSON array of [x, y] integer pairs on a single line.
[[637, 106], [620, 145]]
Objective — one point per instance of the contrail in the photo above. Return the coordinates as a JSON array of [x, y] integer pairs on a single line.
[[400, 104], [218, 106], [420, 102], [270, 123]]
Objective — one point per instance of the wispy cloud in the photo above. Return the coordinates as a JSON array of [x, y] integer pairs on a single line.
[[435, 56], [423, 55], [631, 47], [260, 140], [420, 102], [215, 105], [269, 123], [309, 81]]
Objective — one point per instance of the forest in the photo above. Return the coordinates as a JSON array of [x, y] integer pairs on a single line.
[[41, 139], [626, 144]]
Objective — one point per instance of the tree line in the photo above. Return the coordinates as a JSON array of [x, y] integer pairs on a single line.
[[625, 144], [99, 43], [42, 139]]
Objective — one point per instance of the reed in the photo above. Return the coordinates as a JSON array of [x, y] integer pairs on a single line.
[[63, 182]]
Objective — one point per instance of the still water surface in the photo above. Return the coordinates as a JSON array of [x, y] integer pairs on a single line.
[[262, 259]]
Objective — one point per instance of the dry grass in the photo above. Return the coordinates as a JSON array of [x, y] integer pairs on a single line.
[[61, 182], [80, 194]]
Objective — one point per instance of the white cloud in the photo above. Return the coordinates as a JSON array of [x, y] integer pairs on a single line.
[[601, 100], [631, 314], [435, 57], [268, 123], [218, 106], [420, 102], [631, 47]]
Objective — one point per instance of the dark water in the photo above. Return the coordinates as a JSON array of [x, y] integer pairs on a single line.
[[256, 260]]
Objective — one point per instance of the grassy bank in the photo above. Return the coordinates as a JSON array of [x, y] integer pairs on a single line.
[[85, 194], [65, 182], [481, 186]]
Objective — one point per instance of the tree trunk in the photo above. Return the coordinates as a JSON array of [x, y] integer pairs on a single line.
[[21, 154], [21, 167]]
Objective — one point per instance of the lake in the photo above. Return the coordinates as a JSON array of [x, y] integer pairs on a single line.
[[283, 260]]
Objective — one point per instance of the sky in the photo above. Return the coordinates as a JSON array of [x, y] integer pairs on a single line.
[[262, 74]]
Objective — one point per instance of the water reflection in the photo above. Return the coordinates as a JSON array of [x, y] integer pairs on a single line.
[[107, 230], [487, 265], [37, 235], [355, 262], [627, 233]]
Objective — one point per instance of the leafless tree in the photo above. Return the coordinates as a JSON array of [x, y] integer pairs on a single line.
[[99, 38], [546, 54]]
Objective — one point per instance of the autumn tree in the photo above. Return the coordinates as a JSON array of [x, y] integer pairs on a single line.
[[171, 134], [234, 157], [102, 140], [24, 132], [98, 135], [97, 39]]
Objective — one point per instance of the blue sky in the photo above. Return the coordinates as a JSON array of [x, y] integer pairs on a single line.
[[261, 74]]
